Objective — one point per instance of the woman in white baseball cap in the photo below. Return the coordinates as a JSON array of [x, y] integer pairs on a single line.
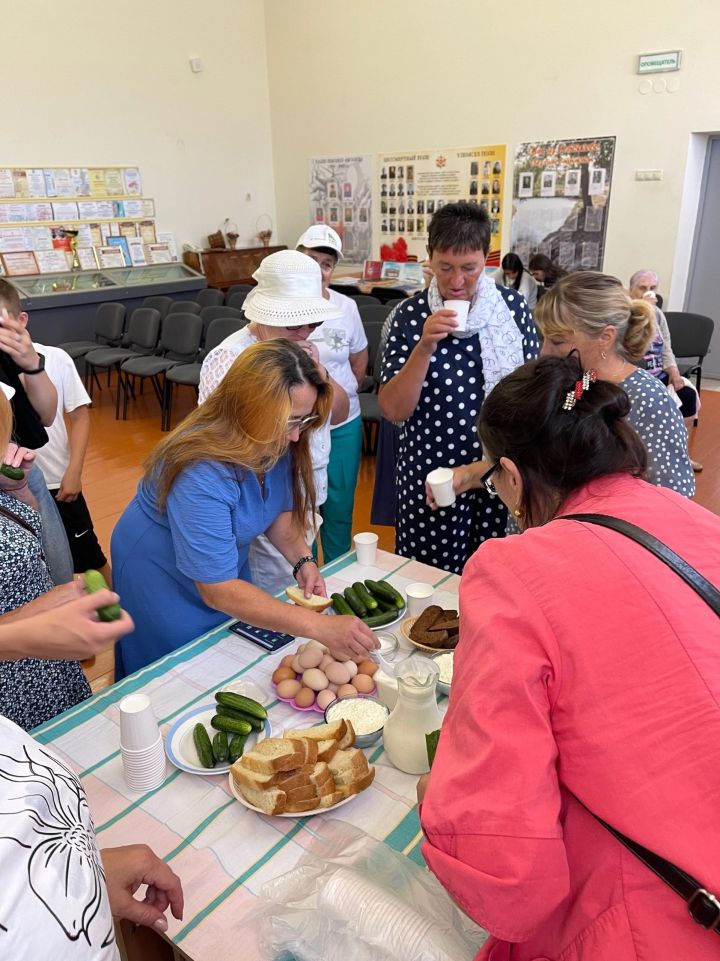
[[343, 350], [287, 302]]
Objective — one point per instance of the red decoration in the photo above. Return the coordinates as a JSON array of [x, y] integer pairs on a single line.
[[397, 251]]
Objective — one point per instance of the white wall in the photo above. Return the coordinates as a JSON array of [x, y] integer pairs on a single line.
[[88, 83], [364, 77]]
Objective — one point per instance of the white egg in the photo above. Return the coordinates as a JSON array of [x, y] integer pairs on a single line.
[[337, 673], [352, 669], [296, 665], [324, 698], [314, 679]]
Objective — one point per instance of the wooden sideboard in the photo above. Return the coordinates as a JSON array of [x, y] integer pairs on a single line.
[[223, 267]]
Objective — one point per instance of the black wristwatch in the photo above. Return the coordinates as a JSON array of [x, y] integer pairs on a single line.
[[39, 369]]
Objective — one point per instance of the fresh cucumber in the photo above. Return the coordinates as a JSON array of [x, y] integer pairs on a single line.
[[384, 607], [14, 473], [220, 747], [246, 705], [387, 592], [94, 581], [380, 620], [236, 747], [355, 603], [365, 596], [223, 711], [203, 746], [341, 605], [231, 725]]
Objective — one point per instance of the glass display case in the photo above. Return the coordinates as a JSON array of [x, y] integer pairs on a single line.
[[44, 284]]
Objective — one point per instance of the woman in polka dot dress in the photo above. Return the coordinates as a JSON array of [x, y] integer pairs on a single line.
[[593, 313], [434, 379]]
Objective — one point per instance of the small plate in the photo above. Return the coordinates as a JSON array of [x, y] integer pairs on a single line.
[[180, 746], [302, 814], [405, 631]]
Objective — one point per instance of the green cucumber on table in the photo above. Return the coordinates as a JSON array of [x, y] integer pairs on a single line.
[[381, 589]]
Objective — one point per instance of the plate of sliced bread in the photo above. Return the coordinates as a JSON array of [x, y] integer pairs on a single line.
[[306, 771], [434, 630]]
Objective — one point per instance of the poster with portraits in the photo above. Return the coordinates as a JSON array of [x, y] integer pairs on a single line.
[[410, 187], [561, 200], [341, 196]]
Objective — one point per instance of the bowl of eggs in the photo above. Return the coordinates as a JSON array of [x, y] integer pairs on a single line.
[[310, 679]]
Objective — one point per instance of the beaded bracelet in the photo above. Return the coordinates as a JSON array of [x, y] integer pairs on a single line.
[[308, 559]]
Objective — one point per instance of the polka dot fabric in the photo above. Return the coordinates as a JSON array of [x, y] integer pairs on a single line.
[[659, 423], [441, 433]]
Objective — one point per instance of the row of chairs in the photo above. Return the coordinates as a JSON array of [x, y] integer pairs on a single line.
[[154, 348]]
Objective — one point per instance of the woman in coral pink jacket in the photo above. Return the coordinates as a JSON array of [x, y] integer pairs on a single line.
[[587, 679]]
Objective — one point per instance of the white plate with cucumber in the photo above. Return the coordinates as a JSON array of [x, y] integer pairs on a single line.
[[357, 599], [180, 741]]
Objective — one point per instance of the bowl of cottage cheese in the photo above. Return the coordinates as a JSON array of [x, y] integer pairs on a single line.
[[366, 714]]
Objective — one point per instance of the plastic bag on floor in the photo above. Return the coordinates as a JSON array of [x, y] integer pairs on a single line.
[[351, 898]]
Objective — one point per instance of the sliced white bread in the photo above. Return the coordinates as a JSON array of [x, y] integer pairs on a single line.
[[301, 807], [327, 800], [348, 738], [321, 732], [273, 755], [271, 801], [313, 603], [311, 749], [326, 749], [348, 765], [285, 781], [302, 794], [360, 784]]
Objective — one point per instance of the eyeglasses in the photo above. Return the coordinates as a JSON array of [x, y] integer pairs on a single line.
[[309, 326], [485, 479], [301, 423]]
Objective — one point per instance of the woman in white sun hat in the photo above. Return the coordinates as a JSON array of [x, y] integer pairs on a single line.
[[287, 302], [343, 349]]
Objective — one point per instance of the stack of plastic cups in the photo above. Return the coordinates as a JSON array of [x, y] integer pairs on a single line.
[[141, 744]]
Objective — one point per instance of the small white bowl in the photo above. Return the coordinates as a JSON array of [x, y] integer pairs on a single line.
[[361, 740], [443, 686]]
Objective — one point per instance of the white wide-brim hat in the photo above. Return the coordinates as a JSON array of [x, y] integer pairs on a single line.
[[320, 235], [289, 292]]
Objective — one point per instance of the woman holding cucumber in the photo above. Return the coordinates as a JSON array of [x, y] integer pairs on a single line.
[[236, 467]]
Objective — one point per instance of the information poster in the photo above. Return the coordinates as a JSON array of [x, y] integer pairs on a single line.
[[341, 196], [412, 186], [561, 199], [39, 205]]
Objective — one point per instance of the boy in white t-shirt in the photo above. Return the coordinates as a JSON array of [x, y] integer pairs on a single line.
[[61, 461]]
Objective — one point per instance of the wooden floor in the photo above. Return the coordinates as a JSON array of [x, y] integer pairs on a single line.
[[117, 450]]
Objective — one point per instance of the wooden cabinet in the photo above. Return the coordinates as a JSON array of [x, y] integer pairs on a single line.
[[223, 268]]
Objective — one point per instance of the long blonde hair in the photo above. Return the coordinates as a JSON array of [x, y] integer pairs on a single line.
[[6, 421], [588, 301], [244, 422]]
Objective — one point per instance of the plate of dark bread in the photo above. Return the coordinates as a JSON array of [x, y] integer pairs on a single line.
[[436, 629]]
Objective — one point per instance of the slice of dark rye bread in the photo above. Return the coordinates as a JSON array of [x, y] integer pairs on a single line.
[[426, 620]]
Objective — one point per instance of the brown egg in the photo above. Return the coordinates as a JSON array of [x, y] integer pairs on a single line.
[[310, 657], [287, 660], [324, 698], [288, 688], [363, 683], [367, 667], [346, 690], [314, 679], [283, 674], [296, 665], [304, 697]]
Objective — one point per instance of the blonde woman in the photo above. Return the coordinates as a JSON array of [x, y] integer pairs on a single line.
[[593, 313], [236, 467]]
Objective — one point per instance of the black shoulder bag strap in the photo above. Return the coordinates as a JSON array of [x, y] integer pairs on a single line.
[[704, 907]]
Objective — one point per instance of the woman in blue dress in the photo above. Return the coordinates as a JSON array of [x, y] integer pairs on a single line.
[[236, 467], [434, 379]]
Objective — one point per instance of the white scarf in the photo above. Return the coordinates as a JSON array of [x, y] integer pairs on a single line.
[[501, 343]]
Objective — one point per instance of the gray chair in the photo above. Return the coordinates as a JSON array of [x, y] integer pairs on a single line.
[[373, 314], [109, 325], [364, 300], [237, 289], [391, 304], [690, 335], [210, 297], [368, 394], [237, 299], [140, 339], [209, 314], [188, 375], [179, 344], [385, 294], [184, 307], [161, 304]]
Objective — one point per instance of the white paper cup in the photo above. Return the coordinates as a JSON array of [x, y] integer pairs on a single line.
[[441, 483], [138, 727], [461, 308], [419, 596], [366, 548]]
